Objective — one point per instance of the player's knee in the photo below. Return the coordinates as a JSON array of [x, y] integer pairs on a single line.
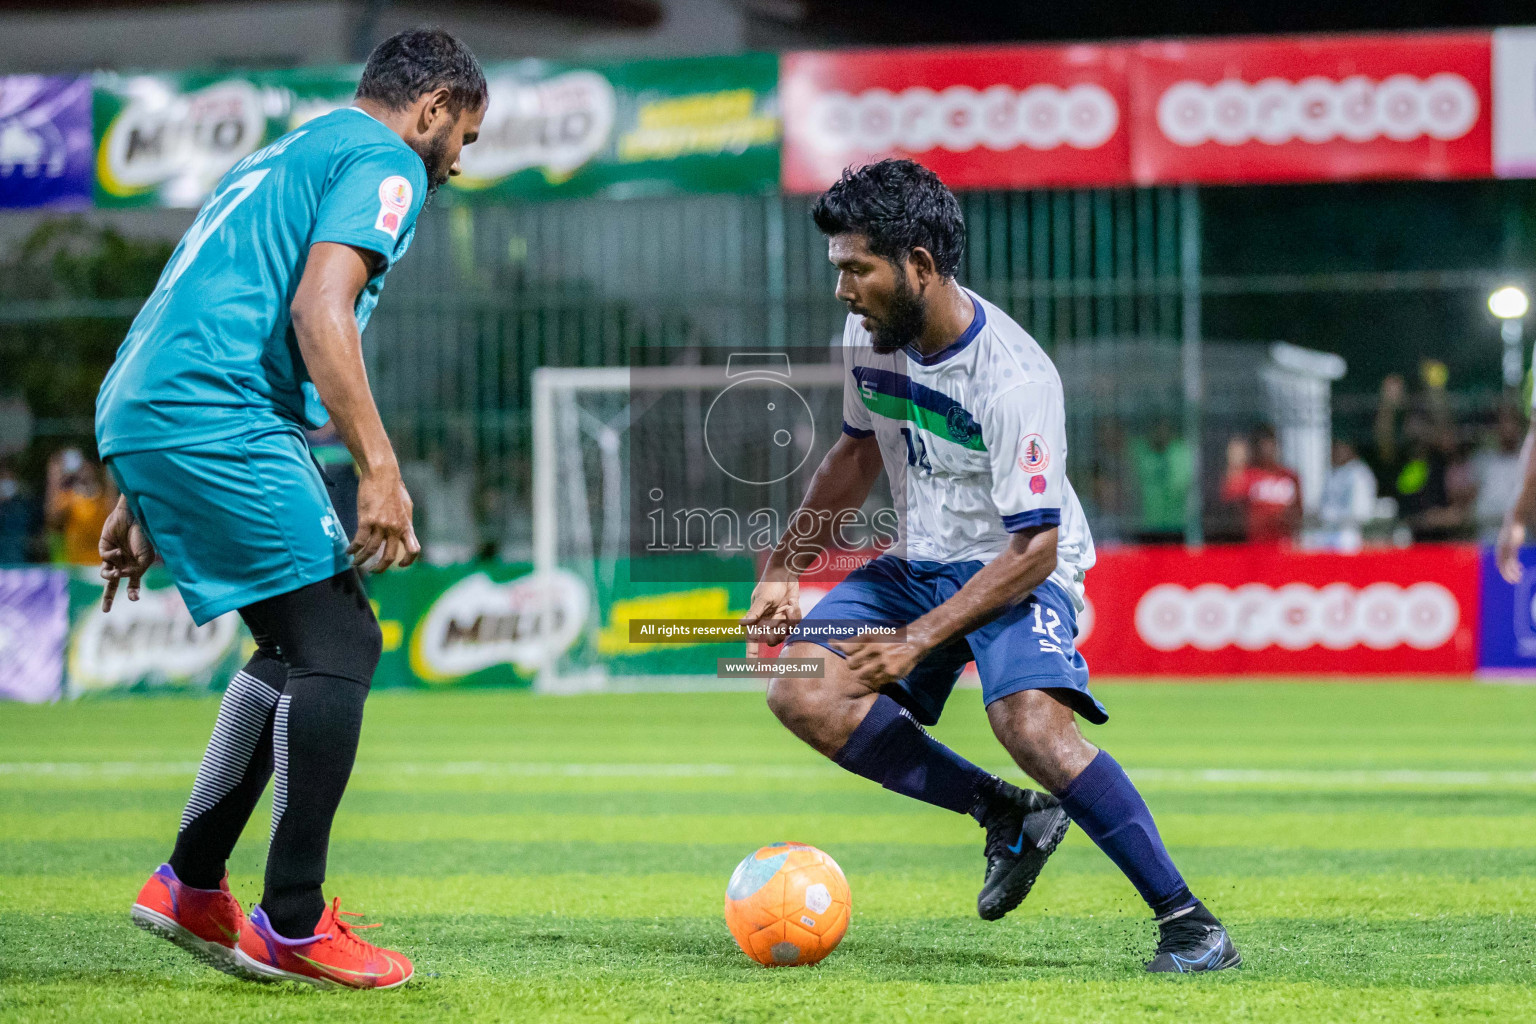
[[786, 699], [356, 647], [1041, 734], [347, 644], [804, 706]]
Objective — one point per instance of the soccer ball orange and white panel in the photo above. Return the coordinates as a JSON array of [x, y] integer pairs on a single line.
[[787, 905]]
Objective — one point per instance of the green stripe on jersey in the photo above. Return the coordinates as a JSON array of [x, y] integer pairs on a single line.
[[895, 408]]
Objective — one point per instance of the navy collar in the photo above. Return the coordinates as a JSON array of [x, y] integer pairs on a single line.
[[978, 321]]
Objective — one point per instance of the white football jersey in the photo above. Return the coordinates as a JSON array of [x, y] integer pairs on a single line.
[[974, 442]]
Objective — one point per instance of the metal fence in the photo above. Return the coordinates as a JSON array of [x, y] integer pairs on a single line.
[[1386, 273], [490, 293]]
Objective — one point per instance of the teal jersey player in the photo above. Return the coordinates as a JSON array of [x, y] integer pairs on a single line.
[[212, 354], [257, 318], [201, 418]]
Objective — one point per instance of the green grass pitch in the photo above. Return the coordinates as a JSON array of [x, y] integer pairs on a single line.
[[1371, 846]]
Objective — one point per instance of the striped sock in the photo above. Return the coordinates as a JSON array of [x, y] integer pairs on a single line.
[[279, 763], [232, 775]]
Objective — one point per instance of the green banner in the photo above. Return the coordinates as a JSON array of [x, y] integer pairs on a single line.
[[166, 139], [477, 624], [146, 644], [696, 124], [492, 623]]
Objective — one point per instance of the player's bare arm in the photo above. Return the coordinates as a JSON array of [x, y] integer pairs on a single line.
[[1002, 583], [842, 483], [332, 346], [1512, 533]]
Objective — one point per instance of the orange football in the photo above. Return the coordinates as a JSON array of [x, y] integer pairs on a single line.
[[787, 905]]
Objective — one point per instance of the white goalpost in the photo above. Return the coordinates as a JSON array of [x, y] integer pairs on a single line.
[[593, 430]]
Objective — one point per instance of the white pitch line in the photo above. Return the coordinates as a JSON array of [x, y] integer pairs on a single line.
[[1230, 777]]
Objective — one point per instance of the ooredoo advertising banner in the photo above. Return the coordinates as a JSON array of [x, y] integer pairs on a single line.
[[1312, 109], [981, 117], [1264, 610]]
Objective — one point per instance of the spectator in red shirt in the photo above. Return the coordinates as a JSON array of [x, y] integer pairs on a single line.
[[1269, 492]]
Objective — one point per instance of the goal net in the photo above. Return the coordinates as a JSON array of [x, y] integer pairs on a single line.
[[657, 491]]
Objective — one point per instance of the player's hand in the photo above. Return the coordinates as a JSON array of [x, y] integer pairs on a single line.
[[777, 603], [1507, 552], [385, 535], [126, 554], [878, 663]]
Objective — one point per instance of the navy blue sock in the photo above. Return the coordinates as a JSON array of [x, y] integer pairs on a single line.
[[890, 748], [1105, 805]]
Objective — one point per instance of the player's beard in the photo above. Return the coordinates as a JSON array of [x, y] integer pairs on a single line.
[[903, 322], [434, 153]]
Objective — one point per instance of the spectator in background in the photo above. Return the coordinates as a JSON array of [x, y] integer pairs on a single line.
[[76, 505], [1433, 484], [1269, 493], [1348, 499], [1418, 458], [20, 523], [1164, 470], [1496, 474]]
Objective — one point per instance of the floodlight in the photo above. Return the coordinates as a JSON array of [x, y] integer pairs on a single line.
[[1508, 303]]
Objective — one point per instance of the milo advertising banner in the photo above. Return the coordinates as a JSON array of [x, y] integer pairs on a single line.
[[705, 124], [166, 139], [492, 623], [479, 624], [696, 124], [146, 644]]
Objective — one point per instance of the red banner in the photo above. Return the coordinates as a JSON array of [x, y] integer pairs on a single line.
[[1234, 611], [982, 117], [1312, 109]]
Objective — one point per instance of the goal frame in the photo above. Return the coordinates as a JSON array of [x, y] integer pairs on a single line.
[[547, 382]]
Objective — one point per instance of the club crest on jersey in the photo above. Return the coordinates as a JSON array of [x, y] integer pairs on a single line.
[[394, 201], [1034, 456], [962, 426]]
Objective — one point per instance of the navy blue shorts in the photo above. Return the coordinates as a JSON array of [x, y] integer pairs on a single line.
[[1029, 647]]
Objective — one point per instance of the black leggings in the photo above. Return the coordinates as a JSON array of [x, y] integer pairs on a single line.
[[295, 710]]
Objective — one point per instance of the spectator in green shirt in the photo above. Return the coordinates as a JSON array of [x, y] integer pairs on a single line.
[[1163, 469]]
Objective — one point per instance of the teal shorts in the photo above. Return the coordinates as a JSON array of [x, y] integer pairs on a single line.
[[238, 520]]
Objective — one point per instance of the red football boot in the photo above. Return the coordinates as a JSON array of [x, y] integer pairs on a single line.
[[333, 957], [205, 922]]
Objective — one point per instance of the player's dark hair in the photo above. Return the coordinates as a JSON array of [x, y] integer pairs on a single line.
[[898, 206], [420, 60]]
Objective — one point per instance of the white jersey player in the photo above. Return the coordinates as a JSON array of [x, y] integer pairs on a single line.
[[963, 411], [974, 442]]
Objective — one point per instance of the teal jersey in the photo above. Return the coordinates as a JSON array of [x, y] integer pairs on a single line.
[[212, 354]]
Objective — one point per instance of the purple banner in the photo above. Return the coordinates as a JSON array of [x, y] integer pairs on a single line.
[[1508, 621], [34, 622], [45, 141]]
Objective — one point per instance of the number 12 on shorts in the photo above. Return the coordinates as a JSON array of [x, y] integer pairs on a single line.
[[1047, 622]]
